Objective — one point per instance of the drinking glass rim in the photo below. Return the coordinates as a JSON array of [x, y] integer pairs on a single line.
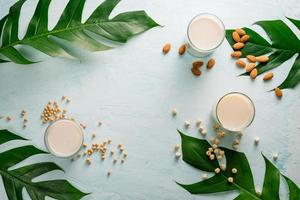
[[209, 14], [216, 113], [47, 144]]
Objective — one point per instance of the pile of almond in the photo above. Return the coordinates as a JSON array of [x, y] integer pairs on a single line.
[[196, 64], [241, 38]]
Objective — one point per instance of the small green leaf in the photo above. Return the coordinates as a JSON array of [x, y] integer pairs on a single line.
[[271, 181], [17, 179], [69, 27], [39, 21], [293, 188], [293, 77], [214, 184], [281, 35], [6, 136], [194, 153], [295, 22], [14, 55]]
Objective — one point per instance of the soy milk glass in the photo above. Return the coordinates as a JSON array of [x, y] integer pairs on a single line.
[[205, 33]]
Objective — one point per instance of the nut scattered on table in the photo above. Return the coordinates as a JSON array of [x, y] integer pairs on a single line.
[[238, 45], [240, 31], [268, 76], [250, 67], [236, 54], [211, 63], [262, 59], [166, 48], [251, 58], [253, 73], [240, 63], [182, 49], [278, 92]]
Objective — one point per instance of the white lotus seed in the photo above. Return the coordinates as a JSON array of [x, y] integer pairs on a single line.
[[178, 155], [217, 170], [174, 112], [234, 170], [256, 140], [275, 156], [187, 124]]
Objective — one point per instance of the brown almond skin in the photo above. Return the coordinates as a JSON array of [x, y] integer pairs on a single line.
[[240, 63], [262, 59], [182, 49], [196, 71], [250, 67], [210, 63], [236, 54], [166, 48], [251, 58], [245, 38], [197, 64], [278, 92], [235, 36], [253, 73], [240, 31], [238, 45], [268, 76]]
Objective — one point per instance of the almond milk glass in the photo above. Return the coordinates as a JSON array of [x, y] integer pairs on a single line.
[[205, 33], [63, 138], [234, 111]]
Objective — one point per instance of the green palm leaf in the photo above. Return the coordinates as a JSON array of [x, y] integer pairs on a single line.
[[15, 180], [194, 153], [69, 27], [285, 44]]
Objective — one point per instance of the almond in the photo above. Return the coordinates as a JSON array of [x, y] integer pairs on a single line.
[[262, 59], [268, 76], [278, 92], [251, 58], [253, 73], [182, 49], [245, 38], [250, 67], [197, 64], [240, 31], [236, 36], [166, 48], [236, 54], [240, 63], [210, 63], [196, 71], [238, 45]]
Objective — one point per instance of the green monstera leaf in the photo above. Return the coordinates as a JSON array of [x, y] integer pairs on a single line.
[[194, 153], [70, 28], [284, 45], [16, 180]]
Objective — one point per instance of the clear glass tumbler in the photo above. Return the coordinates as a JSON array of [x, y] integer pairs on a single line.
[[205, 33]]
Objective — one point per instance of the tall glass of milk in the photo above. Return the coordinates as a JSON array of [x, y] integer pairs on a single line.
[[234, 111], [63, 138], [205, 33]]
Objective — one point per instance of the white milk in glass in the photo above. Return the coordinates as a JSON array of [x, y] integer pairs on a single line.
[[63, 138], [235, 111], [205, 33]]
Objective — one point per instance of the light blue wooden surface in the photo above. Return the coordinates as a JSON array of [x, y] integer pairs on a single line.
[[133, 88]]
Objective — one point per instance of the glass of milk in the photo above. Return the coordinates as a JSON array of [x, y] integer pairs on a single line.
[[205, 33], [234, 111], [63, 138]]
